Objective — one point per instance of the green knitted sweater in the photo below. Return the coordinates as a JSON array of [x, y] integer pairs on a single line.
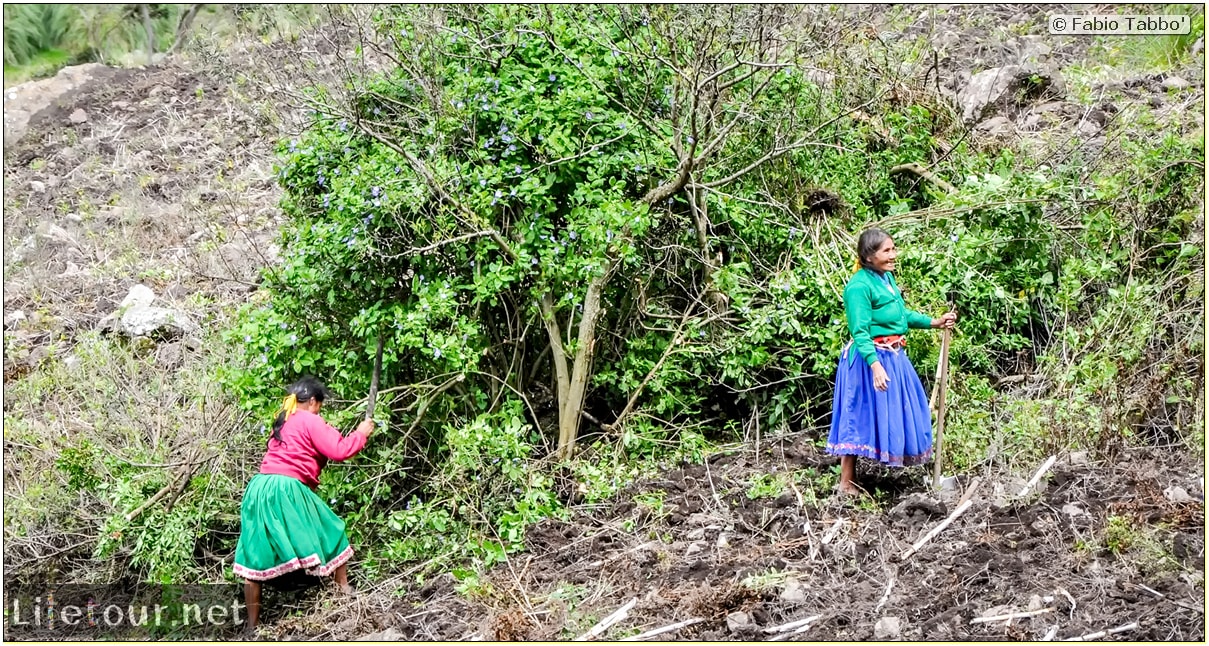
[[875, 307]]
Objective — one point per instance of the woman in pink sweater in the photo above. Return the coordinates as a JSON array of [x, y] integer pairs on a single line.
[[284, 526]]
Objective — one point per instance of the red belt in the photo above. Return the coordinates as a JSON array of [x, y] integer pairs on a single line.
[[892, 341]]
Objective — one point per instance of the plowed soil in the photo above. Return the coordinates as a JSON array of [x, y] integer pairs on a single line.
[[1092, 547]]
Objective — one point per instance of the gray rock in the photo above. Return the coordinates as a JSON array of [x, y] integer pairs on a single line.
[[1032, 49], [996, 126], [1074, 511], [999, 89], [37, 187], [738, 622], [794, 592], [1088, 128], [12, 318], [79, 116], [388, 635], [27, 246], [1079, 459], [723, 541], [138, 296], [147, 321], [694, 548], [75, 217], [55, 233], [888, 628], [1175, 83], [696, 534], [1177, 494]]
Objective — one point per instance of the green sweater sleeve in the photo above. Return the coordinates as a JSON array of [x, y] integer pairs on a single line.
[[858, 305], [917, 321]]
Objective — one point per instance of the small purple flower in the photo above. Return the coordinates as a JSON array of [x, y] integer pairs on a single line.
[[377, 201], [503, 128], [517, 170], [436, 352], [342, 126], [553, 78], [588, 116], [498, 194], [512, 148], [377, 111], [293, 145], [461, 105], [320, 180], [398, 170], [375, 191], [512, 193], [327, 200], [573, 235], [482, 182]]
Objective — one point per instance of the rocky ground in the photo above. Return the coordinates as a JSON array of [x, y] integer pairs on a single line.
[[142, 202]]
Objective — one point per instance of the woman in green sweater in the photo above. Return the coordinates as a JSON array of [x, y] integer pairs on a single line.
[[880, 409]]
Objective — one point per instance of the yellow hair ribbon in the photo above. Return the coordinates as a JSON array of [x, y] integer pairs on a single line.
[[857, 265], [289, 405]]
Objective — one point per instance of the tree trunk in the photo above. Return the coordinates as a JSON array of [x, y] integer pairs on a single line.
[[571, 408], [182, 27], [149, 26]]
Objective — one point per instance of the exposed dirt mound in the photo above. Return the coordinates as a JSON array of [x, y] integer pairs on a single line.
[[1093, 547]]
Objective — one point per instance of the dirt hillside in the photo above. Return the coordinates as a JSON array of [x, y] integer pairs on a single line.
[[163, 177]]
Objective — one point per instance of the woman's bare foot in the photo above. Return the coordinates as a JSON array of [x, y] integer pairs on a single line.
[[849, 489]]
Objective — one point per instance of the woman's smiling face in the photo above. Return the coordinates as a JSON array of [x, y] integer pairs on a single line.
[[883, 259]]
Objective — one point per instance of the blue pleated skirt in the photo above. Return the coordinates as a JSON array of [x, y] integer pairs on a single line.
[[893, 427]]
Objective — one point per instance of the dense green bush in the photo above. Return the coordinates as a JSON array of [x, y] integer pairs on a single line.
[[493, 204]]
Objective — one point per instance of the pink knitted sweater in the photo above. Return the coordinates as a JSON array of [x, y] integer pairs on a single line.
[[308, 443]]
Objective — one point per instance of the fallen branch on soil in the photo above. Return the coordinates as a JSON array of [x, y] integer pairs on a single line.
[[1103, 633], [1037, 476], [835, 529], [1050, 634], [1010, 616], [791, 625], [885, 596], [1167, 598], [969, 493], [938, 529], [664, 630], [797, 631], [607, 622]]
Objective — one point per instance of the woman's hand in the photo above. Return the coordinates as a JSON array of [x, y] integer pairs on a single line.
[[366, 426], [881, 380], [946, 321]]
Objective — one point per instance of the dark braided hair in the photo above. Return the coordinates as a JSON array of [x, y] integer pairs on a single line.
[[303, 391]]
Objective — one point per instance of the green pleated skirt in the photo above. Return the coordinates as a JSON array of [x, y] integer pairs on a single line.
[[285, 527]]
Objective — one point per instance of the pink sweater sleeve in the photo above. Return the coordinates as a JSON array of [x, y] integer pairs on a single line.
[[328, 441]]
